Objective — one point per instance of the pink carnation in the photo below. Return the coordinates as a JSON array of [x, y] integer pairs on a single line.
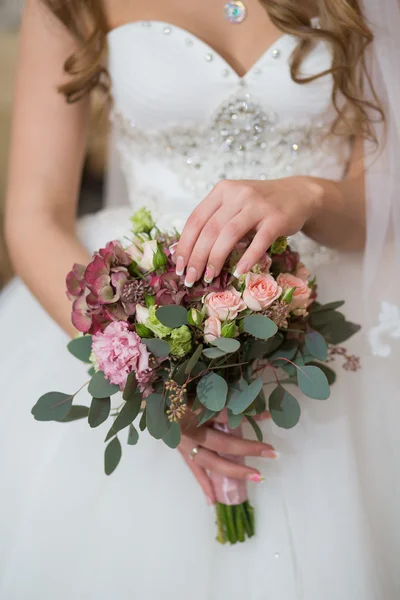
[[118, 352]]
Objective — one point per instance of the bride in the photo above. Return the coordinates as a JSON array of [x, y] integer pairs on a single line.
[[262, 116]]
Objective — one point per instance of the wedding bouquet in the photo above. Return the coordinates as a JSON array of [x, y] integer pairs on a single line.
[[176, 352]]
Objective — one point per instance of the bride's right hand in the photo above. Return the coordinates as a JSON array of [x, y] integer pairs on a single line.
[[211, 443]]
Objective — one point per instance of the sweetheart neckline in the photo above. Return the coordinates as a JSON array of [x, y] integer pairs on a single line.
[[204, 44]]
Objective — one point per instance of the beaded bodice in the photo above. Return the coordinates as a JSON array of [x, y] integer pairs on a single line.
[[184, 119]]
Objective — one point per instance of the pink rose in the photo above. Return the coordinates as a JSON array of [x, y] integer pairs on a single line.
[[261, 291], [212, 329], [302, 272], [225, 304], [118, 351], [302, 293]]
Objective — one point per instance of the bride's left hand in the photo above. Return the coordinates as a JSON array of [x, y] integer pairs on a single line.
[[234, 208]]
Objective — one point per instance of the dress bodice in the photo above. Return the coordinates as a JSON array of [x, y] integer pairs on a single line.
[[184, 119]]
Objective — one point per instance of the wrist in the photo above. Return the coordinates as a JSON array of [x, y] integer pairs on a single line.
[[313, 192]]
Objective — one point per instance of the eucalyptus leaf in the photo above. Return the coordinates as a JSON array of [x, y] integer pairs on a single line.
[[256, 428], [156, 420], [99, 411], [112, 456], [260, 348], [133, 435], [313, 382], [142, 422], [75, 414], [238, 403], [259, 326], [316, 345], [212, 391], [329, 306], [53, 406], [321, 318], [173, 436], [172, 315], [126, 416], [228, 345], [339, 331], [81, 348], [159, 348], [284, 408], [205, 416], [91, 371], [330, 374], [130, 387], [100, 387], [286, 352], [193, 360], [214, 353], [234, 420]]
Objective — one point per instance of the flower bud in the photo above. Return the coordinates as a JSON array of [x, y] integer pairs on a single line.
[[279, 246], [143, 331], [149, 300], [288, 295], [229, 330], [195, 317], [159, 258]]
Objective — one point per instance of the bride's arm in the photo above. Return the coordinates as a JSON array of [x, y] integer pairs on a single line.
[[47, 153]]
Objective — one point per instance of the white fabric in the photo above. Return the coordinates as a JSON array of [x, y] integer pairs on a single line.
[[327, 523]]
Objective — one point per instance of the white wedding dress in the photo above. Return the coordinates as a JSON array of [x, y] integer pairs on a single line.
[[327, 519]]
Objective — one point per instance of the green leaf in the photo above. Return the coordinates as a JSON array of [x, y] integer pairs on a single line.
[[193, 360], [330, 374], [156, 419], [100, 387], [112, 456], [286, 352], [142, 422], [329, 306], [256, 428], [313, 383], [212, 391], [130, 387], [126, 416], [234, 420], [206, 416], [91, 371], [227, 345], [316, 345], [99, 411], [284, 408], [133, 436], [81, 348], [339, 331], [214, 353], [77, 412], [238, 403], [53, 406], [320, 319], [259, 326], [172, 315], [173, 437], [259, 348], [159, 348]]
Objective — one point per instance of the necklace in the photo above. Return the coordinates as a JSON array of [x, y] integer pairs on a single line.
[[235, 12]]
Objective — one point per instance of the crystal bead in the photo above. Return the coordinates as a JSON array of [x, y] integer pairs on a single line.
[[276, 53], [167, 30], [226, 73], [295, 147], [235, 11], [242, 83], [209, 57], [276, 555], [263, 177]]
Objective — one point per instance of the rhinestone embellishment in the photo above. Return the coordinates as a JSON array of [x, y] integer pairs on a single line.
[[235, 12], [276, 53]]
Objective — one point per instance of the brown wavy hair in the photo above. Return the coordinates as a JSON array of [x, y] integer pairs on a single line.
[[342, 25]]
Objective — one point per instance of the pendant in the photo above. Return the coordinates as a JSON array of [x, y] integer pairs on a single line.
[[235, 12]]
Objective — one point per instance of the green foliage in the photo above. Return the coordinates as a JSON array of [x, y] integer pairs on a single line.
[[313, 382], [75, 414], [172, 316], [133, 436], [284, 408], [173, 437], [100, 387], [240, 400], [193, 360], [81, 348], [159, 348], [156, 419], [130, 387], [234, 420], [259, 326], [99, 411], [227, 345], [112, 456], [256, 428], [54, 406], [126, 416], [212, 391]]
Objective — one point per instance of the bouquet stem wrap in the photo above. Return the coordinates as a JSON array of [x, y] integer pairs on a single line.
[[235, 516]]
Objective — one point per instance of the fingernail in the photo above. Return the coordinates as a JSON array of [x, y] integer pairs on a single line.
[[270, 454], [241, 269], [172, 248], [209, 274], [191, 276], [255, 478], [180, 266]]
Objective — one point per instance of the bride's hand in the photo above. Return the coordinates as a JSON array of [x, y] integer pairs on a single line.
[[210, 443], [234, 208]]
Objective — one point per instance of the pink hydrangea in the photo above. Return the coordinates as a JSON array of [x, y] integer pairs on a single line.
[[118, 352]]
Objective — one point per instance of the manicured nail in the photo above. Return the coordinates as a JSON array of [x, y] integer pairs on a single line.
[[172, 248], [241, 269], [255, 478], [270, 454], [209, 274], [191, 277], [180, 266]]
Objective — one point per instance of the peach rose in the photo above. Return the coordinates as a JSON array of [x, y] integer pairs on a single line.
[[261, 291], [302, 272], [225, 304], [302, 293], [212, 329]]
